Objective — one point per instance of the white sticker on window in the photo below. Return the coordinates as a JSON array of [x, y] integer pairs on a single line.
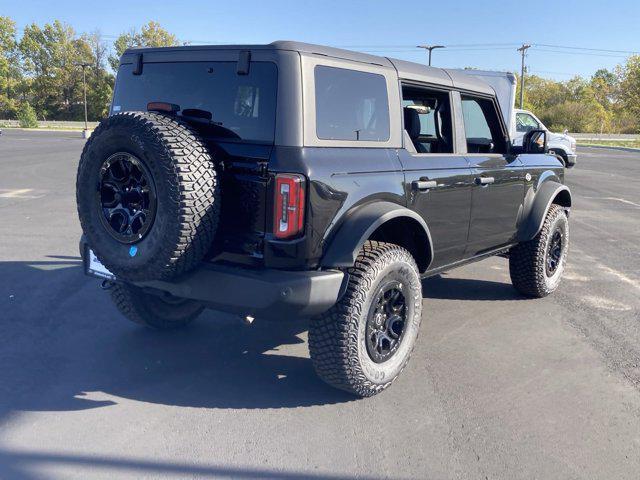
[[116, 108]]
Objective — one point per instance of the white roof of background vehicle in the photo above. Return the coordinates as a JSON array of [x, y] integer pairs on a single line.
[[504, 84]]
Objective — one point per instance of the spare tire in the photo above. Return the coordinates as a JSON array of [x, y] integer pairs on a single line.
[[148, 196]]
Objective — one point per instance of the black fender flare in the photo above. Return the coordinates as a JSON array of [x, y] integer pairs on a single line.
[[537, 211], [344, 245]]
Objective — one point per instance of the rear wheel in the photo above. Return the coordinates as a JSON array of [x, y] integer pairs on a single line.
[[362, 344], [161, 311], [536, 266]]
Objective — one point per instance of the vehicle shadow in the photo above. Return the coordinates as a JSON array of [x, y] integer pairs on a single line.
[[65, 347], [449, 288], [20, 464]]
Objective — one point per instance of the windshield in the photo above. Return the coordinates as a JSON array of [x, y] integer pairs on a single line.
[[244, 104], [525, 122]]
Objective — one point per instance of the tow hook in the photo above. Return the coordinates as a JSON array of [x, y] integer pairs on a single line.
[[106, 284]]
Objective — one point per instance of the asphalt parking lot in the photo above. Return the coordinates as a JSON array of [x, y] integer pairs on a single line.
[[498, 386]]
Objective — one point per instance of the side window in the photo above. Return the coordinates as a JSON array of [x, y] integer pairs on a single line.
[[525, 122], [351, 105], [482, 126], [427, 119]]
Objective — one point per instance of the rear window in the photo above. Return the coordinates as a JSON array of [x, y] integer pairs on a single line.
[[242, 104], [351, 105]]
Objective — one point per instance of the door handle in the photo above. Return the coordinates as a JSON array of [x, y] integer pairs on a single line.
[[484, 180], [423, 184]]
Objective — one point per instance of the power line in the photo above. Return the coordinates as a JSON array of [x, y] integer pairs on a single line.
[[476, 51], [586, 48], [459, 47], [551, 72], [561, 52], [448, 46]]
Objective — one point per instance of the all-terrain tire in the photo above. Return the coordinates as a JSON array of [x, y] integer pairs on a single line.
[[155, 311], [337, 339], [528, 260], [186, 191]]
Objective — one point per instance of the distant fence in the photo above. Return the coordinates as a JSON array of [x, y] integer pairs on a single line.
[[51, 124], [606, 136]]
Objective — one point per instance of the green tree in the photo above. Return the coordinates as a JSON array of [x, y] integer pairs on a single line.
[[27, 116], [100, 82], [10, 74], [576, 104], [605, 86], [629, 77], [51, 55], [151, 35]]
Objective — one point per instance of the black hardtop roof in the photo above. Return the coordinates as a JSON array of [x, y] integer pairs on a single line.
[[406, 70]]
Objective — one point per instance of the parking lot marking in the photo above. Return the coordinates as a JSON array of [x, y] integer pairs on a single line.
[[19, 193], [606, 303], [620, 276], [611, 271], [616, 199], [575, 277]]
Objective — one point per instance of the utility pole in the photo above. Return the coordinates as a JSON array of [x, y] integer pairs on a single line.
[[523, 50], [84, 66], [430, 48]]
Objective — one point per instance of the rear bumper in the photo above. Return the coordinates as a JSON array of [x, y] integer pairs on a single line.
[[266, 293]]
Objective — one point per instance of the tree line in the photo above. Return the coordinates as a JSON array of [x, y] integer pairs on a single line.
[[41, 79], [41, 73], [608, 102]]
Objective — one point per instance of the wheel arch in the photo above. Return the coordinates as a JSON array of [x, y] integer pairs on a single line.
[[383, 221], [549, 193]]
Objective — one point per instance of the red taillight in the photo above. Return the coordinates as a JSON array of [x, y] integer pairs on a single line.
[[288, 209]]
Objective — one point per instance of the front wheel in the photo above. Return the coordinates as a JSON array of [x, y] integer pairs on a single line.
[[362, 343], [536, 266], [161, 311]]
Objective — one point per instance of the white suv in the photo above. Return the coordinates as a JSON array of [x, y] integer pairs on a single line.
[[563, 145]]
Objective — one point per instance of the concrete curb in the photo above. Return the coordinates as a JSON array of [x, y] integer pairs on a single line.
[[610, 147]]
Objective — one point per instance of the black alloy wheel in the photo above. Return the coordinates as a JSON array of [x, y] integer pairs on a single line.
[[554, 253], [127, 197], [364, 341], [386, 322]]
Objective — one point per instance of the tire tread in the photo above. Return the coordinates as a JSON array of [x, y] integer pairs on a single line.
[[527, 259], [333, 336]]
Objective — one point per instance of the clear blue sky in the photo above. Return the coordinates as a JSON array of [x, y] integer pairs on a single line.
[[390, 28]]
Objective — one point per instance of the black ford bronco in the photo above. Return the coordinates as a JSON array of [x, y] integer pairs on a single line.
[[293, 180]]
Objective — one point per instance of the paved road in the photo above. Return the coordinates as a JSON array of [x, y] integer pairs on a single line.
[[498, 387]]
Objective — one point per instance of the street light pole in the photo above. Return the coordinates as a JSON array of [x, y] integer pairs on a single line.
[[84, 86], [430, 48], [523, 50]]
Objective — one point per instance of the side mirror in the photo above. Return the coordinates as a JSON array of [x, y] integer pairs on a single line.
[[565, 132], [535, 141]]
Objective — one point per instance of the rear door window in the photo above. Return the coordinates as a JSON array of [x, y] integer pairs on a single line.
[[243, 106], [351, 105], [482, 126], [427, 119]]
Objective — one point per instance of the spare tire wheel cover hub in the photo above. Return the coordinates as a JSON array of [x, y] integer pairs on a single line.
[[126, 197]]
